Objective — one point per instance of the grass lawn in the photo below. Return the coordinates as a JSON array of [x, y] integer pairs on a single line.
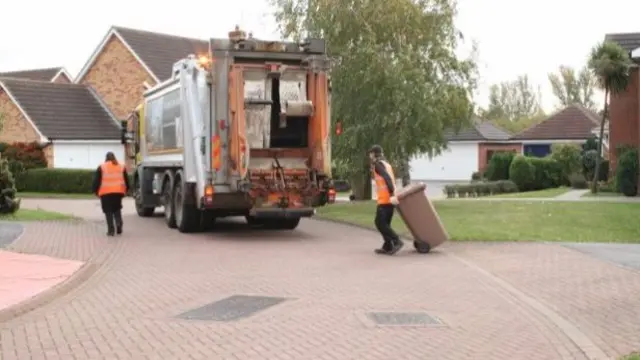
[[37, 195], [515, 220], [634, 356], [35, 215], [546, 193]]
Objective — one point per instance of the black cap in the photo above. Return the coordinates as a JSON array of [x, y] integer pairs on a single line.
[[376, 150]]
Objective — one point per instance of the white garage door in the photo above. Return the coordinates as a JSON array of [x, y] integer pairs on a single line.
[[84, 155], [456, 163]]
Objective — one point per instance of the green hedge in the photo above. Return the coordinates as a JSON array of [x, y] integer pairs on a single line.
[[532, 173], [627, 172], [499, 164], [477, 189], [55, 181]]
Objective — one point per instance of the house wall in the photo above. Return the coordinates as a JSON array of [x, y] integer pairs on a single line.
[[484, 150], [118, 78], [16, 128], [624, 116]]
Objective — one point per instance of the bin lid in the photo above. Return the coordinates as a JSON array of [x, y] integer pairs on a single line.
[[410, 190]]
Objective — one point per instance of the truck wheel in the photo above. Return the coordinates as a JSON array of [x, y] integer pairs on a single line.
[[143, 211], [187, 216], [421, 247], [169, 206]]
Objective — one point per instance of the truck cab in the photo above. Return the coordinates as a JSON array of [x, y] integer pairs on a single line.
[[242, 130]]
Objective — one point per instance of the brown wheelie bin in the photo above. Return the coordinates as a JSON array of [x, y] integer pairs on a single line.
[[421, 218]]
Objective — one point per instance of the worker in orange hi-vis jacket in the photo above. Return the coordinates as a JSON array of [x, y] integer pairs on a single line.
[[111, 184], [385, 190]]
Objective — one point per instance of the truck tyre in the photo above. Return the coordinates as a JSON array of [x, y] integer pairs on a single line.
[[421, 247], [143, 211], [187, 215], [167, 200]]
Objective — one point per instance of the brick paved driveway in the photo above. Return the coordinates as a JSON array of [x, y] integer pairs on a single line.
[[493, 305]]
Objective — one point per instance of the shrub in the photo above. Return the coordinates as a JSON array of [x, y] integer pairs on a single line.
[[476, 176], [578, 181], [627, 173], [8, 202], [569, 158], [480, 188], [590, 144], [31, 155], [450, 190], [548, 173], [589, 165], [589, 159], [522, 173], [498, 167], [56, 181]]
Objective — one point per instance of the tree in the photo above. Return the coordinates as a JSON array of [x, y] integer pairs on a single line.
[[513, 100], [396, 80], [571, 88], [611, 65]]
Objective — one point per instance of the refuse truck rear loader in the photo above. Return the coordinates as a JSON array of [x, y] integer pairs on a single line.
[[243, 130]]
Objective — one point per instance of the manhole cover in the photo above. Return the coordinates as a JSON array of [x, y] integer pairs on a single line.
[[9, 232], [403, 319], [232, 308]]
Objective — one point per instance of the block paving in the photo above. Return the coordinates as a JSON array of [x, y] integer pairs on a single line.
[[128, 309]]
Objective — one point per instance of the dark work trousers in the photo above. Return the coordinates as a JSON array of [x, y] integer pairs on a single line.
[[112, 208], [384, 215]]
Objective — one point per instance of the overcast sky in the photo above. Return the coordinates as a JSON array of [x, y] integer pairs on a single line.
[[515, 37]]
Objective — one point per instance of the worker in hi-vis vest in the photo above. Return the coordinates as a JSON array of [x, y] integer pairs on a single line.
[[385, 190], [111, 184]]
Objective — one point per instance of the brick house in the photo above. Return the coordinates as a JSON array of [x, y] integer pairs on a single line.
[[107, 89], [129, 61], [624, 108], [69, 120], [573, 124], [468, 151]]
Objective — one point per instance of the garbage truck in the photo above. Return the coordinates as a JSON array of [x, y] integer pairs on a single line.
[[243, 130]]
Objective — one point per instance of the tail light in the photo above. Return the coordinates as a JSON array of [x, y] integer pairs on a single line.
[[331, 196], [208, 194]]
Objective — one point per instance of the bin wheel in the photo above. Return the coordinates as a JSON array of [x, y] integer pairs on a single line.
[[421, 247]]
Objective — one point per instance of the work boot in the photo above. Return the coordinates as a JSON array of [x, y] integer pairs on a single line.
[[384, 250], [118, 219], [111, 229], [396, 247]]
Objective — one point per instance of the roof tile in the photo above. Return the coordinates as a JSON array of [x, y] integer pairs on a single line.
[[33, 74], [479, 131], [571, 123], [629, 41], [160, 51], [63, 111]]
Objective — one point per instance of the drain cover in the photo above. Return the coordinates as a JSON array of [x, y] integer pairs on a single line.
[[403, 319], [232, 308]]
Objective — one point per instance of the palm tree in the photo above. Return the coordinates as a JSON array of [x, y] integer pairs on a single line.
[[611, 65]]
